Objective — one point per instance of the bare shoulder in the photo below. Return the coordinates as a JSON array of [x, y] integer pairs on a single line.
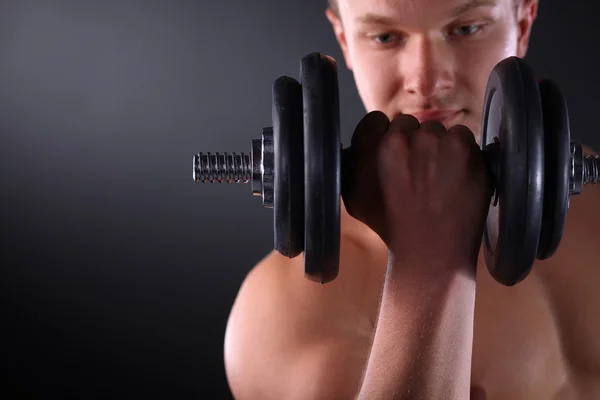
[[571, 277], [288, 337]]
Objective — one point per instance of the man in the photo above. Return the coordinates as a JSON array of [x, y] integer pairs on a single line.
[[403, 319]]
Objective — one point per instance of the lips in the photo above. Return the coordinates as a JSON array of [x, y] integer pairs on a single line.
[[443, 116]]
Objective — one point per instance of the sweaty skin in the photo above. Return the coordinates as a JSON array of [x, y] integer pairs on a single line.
[[290, 338]]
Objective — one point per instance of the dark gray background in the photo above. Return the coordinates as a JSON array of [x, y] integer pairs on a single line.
[[117, 271]]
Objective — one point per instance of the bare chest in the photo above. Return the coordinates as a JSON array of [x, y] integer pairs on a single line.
[[517, 351], [516, 347]]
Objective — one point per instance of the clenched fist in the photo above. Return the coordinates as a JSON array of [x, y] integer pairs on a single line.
[[424, 189]]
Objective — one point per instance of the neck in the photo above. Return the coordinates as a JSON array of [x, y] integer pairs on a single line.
[[360, 233]]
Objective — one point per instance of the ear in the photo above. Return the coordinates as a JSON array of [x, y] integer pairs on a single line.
[[340, 36], [526, 15]]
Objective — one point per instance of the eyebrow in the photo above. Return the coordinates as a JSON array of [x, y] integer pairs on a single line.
[[464, 7], [375, 19], [470, 5]]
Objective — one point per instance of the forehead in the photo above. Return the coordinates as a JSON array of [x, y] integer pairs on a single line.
[[368, 10]]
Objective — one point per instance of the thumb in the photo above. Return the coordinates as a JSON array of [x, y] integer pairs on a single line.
[[367, 136]]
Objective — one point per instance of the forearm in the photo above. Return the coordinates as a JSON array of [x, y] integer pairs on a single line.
[[423, 340]]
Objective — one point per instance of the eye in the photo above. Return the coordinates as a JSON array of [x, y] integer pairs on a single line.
[[467, 30], [384, 38]]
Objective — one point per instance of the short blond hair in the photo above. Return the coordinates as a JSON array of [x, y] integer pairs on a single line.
[[332, 4]]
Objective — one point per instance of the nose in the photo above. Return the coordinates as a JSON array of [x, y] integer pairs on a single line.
[[427, 68]]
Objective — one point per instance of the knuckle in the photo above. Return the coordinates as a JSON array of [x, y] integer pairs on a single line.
[[428, 138], [391, 143], [369, 130], [460, 138], [456, 144], [433, 126], [393, 149], [405, 123], [463, 132]]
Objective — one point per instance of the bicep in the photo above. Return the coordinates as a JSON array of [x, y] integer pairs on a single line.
[[280, 345], [328, 370]]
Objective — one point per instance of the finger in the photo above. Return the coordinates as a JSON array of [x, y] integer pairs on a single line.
[[370, 131], [464, 134], [405, 123], [433, 126], [475, 156], [462, 131], [367, 136], [396, 145]]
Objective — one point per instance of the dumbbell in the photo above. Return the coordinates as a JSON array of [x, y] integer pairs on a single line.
[[297, 168]]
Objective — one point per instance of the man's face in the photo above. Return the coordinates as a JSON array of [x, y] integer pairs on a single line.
[[429, 58]]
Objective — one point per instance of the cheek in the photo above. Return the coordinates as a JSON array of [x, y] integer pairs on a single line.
[[478, 61], [376, 81], [479, 58], [375, 76], [476, 66]]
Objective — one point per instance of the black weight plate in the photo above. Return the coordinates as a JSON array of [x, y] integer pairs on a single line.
[[513, 113], [557, 143], [322, 153], [288, 175]]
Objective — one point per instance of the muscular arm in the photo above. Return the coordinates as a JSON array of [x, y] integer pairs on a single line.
[[423, 341], [290, 338]]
